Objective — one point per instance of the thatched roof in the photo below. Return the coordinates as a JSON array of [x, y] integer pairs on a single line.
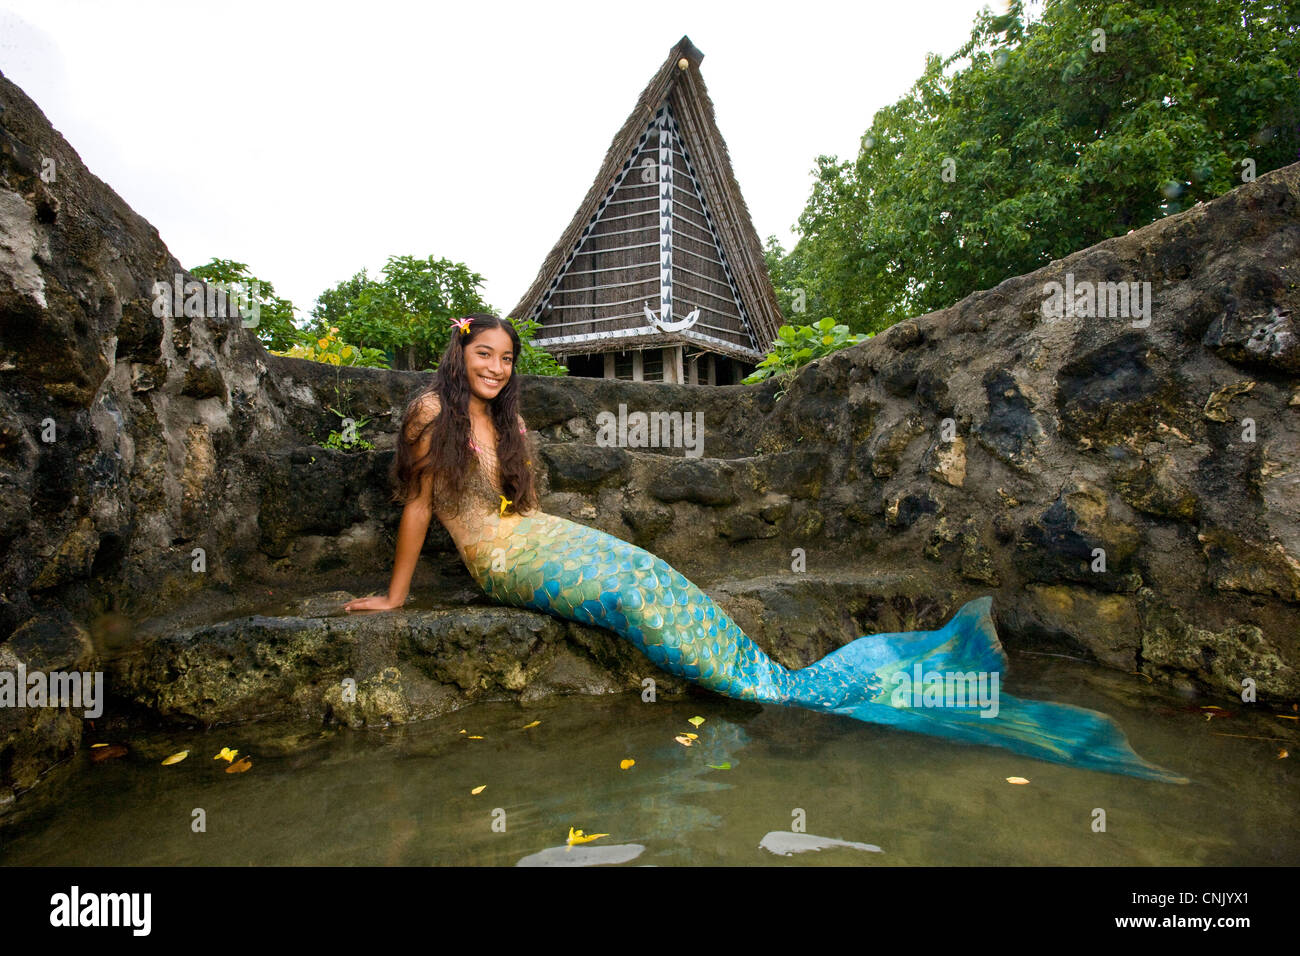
[[589, 292]]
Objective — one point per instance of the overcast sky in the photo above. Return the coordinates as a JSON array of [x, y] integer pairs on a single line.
[[312, 139]]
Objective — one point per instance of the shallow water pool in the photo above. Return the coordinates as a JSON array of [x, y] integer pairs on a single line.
[[403, 795]]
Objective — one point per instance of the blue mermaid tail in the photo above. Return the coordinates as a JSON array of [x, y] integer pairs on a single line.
[[962, 663], [946, 683]]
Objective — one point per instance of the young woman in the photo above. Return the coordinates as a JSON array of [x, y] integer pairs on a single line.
[[464, 454]]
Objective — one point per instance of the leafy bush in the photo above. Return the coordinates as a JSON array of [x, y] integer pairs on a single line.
[[797, 345], [275, 328], [348, 439], [532, 360], [332, 350]]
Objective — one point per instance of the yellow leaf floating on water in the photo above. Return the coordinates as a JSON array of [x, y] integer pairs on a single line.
[[530, 726], [626, 764], [473, 737], [1020, 780], [1282, 754], [577, 836], [93, 746], [691, 735], [684, 741], [240, 765], [696, 721], [463, 731], [226, 754], [477, 790], [175, 758]]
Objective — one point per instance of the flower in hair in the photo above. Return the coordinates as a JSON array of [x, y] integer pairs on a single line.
[[462, 324]]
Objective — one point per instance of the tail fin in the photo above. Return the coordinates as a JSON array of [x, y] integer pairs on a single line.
[[947, 683]]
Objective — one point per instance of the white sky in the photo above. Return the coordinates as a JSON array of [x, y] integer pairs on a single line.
[[312, 139]]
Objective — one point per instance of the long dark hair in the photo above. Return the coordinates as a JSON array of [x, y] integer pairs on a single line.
[[450, 458]]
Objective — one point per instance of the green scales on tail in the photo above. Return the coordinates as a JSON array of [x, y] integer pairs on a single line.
[[578, 573]]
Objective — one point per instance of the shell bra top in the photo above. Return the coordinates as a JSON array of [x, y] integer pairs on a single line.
[[476, 523]]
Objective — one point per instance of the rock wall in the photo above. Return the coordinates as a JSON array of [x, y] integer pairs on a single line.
[[1121, 478]]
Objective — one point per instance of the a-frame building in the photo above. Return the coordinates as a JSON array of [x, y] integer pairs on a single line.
[[660, 275]]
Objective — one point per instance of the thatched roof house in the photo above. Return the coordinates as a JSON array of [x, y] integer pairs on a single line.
[[660, 275]]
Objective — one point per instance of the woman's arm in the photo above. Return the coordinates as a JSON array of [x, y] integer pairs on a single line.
[[414, 526]]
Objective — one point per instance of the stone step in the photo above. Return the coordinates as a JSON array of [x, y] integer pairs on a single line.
[[456, 648]]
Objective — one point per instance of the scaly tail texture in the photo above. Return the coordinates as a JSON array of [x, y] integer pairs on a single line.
[[571, 571]]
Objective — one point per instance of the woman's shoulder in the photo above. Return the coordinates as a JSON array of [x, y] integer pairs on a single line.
[[422, 410], [426, 407]]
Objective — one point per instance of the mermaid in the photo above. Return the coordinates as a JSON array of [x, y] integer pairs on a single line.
[[464, 453]]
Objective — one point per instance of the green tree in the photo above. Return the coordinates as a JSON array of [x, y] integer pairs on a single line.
[[275, 316], [333, 304], [792, 297], [1039, 138], [407, 312]]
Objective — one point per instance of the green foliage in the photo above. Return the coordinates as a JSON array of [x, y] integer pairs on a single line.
[[409, 309], [532, 360], [349, 439], [793, 299], [332, 350], [333, 304], [797, 345], [1055, 144], [275, 326]]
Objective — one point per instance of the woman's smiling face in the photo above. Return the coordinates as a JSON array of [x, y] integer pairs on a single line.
[[489, 362]]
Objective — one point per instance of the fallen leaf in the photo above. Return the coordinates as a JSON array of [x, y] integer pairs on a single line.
[[529, 726], [478, 790], [1212, 711], [626, 764], [684, 741], [1283, 754], [1287, 717], [696, 721], [719, 766], [175, 758], [691, 735], [93, 746], [107, 752], [577, 836], [226, 754], [240, 765], [473, 737], [462, 731], [1020, 780]]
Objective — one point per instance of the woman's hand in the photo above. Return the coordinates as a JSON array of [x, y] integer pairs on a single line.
[[375, 603]]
